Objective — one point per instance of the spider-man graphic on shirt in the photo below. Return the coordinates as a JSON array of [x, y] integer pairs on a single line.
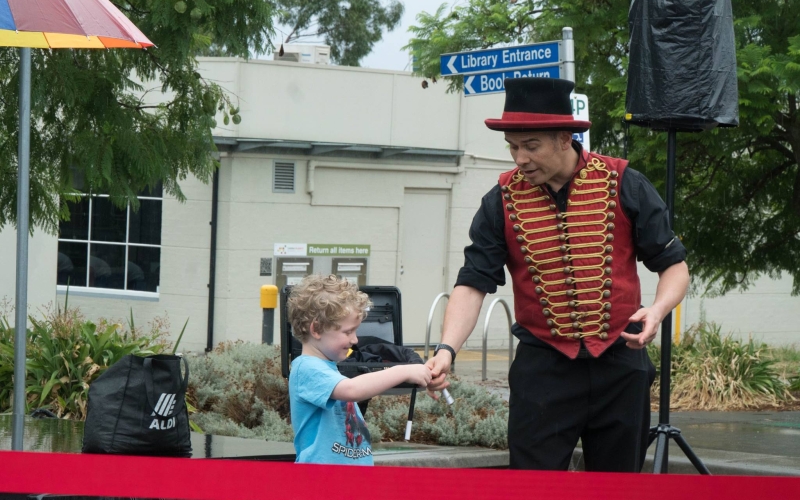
[[355, 428]]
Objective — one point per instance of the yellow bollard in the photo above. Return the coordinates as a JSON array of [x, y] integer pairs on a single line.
[[269, 301], [677, 337]]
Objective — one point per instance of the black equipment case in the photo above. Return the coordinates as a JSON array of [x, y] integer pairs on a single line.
[[383, 324]]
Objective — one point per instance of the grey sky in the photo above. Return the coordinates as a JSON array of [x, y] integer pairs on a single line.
[[387, 54]]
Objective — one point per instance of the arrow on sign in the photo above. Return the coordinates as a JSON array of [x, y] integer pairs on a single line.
[[468, 84], [451, 66]]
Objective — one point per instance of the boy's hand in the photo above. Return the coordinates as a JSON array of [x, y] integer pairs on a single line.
[[418, 374], [440, 367]]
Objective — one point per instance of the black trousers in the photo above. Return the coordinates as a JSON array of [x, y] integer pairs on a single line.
[[603, 401]]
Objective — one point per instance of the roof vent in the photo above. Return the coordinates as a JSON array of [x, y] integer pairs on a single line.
[[310, 54]]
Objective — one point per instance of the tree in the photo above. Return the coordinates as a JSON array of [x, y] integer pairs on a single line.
[[350, 27], [738, 189], [92, 119]]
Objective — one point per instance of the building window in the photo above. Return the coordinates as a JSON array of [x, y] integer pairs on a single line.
[[102, 246]]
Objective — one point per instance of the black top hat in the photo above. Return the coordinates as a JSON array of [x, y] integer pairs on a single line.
[[537, 104]]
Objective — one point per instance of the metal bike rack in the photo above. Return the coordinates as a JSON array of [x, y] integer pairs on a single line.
[[486, 332], [430, 320]]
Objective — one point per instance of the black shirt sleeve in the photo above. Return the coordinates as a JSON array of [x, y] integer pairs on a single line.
[[485, 257], [656, 245]]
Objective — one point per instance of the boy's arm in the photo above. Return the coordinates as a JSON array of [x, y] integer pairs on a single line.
[[460, 318], [371, 384]]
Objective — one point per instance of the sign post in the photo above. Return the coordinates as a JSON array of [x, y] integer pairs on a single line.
[[569, 54]]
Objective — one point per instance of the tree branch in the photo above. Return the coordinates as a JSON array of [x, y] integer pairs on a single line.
[[298, 25], [128, 7], [758, 186], [140, 107], [776, 145], [708, 182]]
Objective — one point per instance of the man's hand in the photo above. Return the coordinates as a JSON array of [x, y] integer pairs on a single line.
[[651, 319], [440, 367], [672, 285]]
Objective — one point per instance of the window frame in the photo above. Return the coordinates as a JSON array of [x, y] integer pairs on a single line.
[[96, 291]]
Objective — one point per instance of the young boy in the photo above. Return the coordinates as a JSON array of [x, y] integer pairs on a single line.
[[325, 313]]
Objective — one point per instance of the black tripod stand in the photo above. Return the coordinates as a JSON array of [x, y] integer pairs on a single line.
[[662, 432]]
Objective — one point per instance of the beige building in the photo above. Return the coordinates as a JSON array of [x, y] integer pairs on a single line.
[[364, 168]]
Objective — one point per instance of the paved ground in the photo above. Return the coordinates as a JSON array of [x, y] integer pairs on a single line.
[[742, 443]]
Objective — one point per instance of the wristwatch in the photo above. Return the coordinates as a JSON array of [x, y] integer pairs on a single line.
[[446, 348]]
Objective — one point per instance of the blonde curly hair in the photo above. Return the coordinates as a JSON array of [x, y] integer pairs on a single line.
[[323, 301]]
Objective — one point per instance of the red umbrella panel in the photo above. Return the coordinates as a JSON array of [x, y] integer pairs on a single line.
[[87, 24]]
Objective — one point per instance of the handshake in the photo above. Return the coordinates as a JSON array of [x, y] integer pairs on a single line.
[[422, 375]]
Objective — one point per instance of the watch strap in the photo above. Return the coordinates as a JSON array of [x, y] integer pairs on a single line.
[[446, 348]]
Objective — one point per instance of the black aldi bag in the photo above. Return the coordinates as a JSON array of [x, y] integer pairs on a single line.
[[138, 407]]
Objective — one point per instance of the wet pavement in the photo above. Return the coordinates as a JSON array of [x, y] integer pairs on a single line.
[[736, 442]]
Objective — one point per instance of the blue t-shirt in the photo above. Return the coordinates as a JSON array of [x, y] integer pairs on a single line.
[[326, 431]]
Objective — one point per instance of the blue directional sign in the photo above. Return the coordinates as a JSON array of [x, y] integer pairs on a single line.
[[489, 83], [499, 59]]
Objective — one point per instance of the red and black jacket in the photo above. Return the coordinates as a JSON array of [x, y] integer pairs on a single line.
[[574, 273]]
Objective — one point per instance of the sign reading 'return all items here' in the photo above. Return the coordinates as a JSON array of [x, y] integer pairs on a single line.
[[321, 250]]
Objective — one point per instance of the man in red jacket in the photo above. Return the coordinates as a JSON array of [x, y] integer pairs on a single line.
[[569, 225]]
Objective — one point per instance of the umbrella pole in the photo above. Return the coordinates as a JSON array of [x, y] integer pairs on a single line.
[[23, 217]]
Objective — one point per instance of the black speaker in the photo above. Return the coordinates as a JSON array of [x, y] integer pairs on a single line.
[[682, 69]]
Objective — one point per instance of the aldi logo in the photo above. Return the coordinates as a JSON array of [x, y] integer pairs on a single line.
[[164, 408], [165, 405]]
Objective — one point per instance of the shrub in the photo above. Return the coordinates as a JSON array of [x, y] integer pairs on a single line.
[[238, 390], [66, 353], [787, 364], [715, 372], [477, 418]]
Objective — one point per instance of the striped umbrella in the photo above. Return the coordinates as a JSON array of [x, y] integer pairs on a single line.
[[48, 24], [60, 24]]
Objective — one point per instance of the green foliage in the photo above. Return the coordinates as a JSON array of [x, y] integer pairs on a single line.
[[94, 125], [711, 371], [273, 427], [477, 418], [351, 28], [65, 354], [239, 391], [745, 180], [97, 125], [787, 364]]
